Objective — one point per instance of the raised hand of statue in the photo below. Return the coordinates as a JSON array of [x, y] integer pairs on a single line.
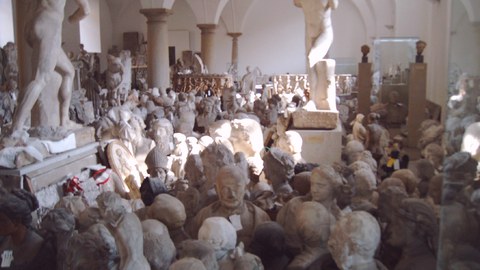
[[81, 12]]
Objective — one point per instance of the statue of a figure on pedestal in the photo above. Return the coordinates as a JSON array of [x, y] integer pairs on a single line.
[[44, 35], [318, 39]]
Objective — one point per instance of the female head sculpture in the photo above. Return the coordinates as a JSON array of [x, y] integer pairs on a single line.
[[354, 240]]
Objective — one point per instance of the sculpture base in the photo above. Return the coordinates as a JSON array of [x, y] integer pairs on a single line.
[[320, 119], [51, 170], [321, 146]]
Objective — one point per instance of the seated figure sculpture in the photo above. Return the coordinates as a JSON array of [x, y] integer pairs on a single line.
[[325, 185], [354, 240], [245, 216]]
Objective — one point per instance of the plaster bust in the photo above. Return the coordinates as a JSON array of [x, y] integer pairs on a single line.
[[354, 240], [231, 184], [278, 167]]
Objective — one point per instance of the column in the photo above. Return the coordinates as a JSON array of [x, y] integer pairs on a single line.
[[417, 100], [208, 31], [364, 87], [234, 48], [158, 72]]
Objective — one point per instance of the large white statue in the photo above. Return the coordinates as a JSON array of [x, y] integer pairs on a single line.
[[318, 39], [44, 35]]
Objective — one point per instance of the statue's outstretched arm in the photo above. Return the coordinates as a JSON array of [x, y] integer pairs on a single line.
[[333, 4], [82, 11]]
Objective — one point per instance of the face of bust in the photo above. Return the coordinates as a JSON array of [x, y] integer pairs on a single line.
[[230, 191], [320, 188]]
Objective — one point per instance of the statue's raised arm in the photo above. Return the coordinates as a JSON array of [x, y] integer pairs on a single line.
[[81, 12]]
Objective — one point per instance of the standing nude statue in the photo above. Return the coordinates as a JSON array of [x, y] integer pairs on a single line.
[[318, 38], [44, 35]]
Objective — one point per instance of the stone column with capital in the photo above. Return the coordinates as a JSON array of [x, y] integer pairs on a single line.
[[158, 71], [208, 34]]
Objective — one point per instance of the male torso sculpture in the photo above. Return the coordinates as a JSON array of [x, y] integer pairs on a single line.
[[318, 38], [44, 35]]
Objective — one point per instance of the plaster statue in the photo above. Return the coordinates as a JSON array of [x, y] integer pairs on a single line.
[[187, 263], [208, 112], [364, 197], [318, 38], [21, 246], [200, 250], [92, 249], [214, 157], [292, 143], [409, 179], [249, 80], [179, 155], [352, 151], [219, 232], [377, 138], [93, 90], [158, 248], [185, 115], [127, 230], [269, 244], [161, 131], [230, 186], [44, 35], [415, 230], [247, 137], [114, 76], [325, 186], [358, 130], [354, 240], [171, 212], [313, 227], [279, 170]]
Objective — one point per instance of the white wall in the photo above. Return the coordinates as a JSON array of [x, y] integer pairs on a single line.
[[465, 41], [6, 22]]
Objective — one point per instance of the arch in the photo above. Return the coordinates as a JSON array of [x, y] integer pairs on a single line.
[[368, 16]]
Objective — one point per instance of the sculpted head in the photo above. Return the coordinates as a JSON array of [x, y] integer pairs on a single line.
[[278, 166], [15, 210], [354, 239], [415, 220], [168, 210], [219, 232], [325, 183], [230, 186], [313, 224]]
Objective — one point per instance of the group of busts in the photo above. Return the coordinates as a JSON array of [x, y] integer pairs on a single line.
[[224, 188]]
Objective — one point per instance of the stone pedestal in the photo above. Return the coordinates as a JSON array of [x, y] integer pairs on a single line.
[[417, 101], [157, 52], [208, 52], [51, 170], [320, 119], [323, 93], [364, 87], [321, 146]]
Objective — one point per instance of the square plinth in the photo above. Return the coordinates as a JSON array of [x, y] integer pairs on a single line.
[[321, 146], [320, 119]]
